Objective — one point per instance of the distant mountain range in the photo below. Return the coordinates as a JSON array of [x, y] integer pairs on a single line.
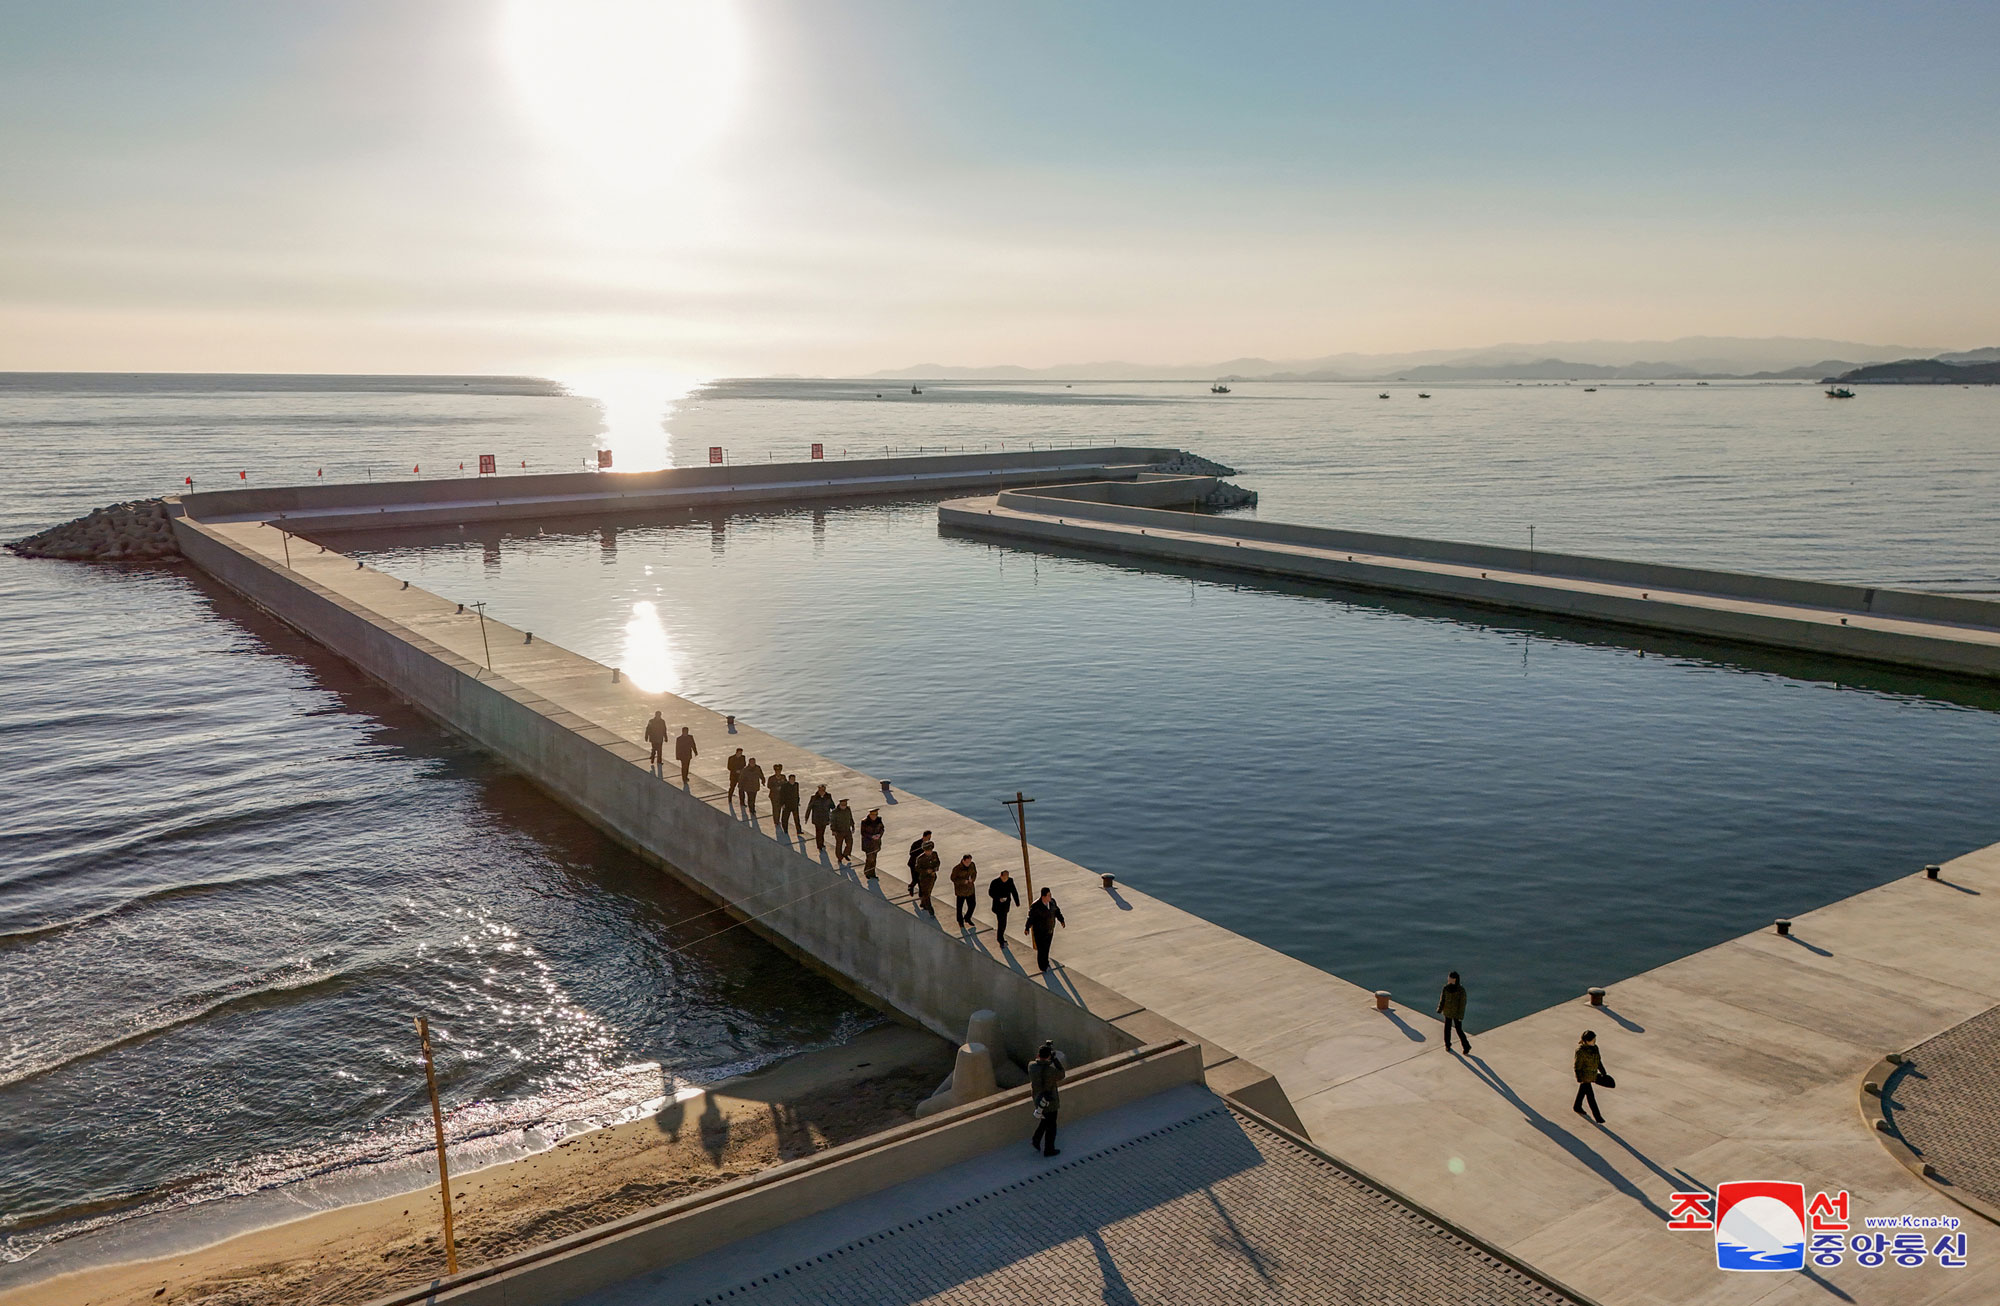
[[1966, 370], [1691, 357]]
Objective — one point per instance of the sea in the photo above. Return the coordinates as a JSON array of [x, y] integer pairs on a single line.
[[232, 870]]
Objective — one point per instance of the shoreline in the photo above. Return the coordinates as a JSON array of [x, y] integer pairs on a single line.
[[367, 1248]]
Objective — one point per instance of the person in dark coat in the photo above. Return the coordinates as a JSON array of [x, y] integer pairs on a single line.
[[923, 876], [916, 848], [1451, 1005], [736, 764], [1589, 1065], [684, 751], [656, 738], [774, 788], [819, 810], [1043, 917], [965, 888], [842, 821], [1045, 1077], [873, 827], [1005, 895], [788, 811], [751, 778]]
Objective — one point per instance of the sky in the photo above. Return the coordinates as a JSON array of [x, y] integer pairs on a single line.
[[734, 187]]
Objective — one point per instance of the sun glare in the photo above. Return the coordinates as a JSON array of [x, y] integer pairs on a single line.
[[650, 659], [630, 89], [636, 407]]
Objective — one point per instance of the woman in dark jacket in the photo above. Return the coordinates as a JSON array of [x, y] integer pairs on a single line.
[[1589, 1065]]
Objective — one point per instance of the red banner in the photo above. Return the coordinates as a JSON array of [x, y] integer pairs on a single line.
[[715, 453], [603, 459], [819, 451], [487, 465]]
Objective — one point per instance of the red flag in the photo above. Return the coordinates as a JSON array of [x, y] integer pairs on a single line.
[[188, 479], [242, 476], [417, 470], [320, 472], [461, 467]]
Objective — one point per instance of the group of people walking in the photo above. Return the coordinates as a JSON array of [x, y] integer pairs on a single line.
[[1588, 1063], [781, 790]]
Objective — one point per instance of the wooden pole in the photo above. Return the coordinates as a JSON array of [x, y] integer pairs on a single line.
[[481, 607], [286, 536], [1019, 802], [444, 1171]]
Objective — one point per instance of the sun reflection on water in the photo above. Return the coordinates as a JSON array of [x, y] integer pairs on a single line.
[[635, 411], [650, 658]]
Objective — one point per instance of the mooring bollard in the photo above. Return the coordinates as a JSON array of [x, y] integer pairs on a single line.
[[1782, 925], [530, 639], [1597, 997], [885, 787], [461, 609], [1931, 872], [406, 584], [1109, 879], [1381, 999], [614, 675], [732, 724]]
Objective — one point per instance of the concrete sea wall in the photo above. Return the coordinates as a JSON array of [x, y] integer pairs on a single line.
[[321, 508], [1937, 632], [862, 939]]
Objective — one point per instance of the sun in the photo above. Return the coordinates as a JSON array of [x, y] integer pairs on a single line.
[[628, 89]]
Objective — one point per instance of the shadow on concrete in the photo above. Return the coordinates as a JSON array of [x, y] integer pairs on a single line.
[[1410, 1032], [1111, 891], [1670, 1178], [1629, 1026], [1243, 1245], [1962, 888], [1817, 952], [1562, 1138]]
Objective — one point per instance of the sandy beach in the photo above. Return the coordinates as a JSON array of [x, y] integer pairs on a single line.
[[353, 1254]]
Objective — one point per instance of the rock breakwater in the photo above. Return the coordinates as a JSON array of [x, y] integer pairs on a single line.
[[138, 531]]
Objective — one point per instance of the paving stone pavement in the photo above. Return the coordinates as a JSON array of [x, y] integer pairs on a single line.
[[1946, 1105], [1214, 1209]]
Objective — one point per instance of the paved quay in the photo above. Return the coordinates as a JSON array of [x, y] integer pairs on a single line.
[[1175, 1200], [1937, 632], [1741, 1062]]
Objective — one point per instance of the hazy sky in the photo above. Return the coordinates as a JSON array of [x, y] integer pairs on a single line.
[[735, 186]]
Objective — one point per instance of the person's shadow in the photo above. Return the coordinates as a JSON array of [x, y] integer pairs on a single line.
[[1562, 1138]]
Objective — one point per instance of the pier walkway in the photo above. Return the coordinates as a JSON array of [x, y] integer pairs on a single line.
[[1740, 1062], [1937, 632]]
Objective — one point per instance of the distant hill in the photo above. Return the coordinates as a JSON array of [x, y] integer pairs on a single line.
[[1922, 371], [1706, 357]]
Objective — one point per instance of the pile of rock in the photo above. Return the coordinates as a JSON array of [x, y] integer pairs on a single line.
[[1193, 464], [1226, 496], [125, 532]]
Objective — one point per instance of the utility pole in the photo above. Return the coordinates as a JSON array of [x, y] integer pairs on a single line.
[[444, 1173], [1019, 802], [286, 536], [1531, 548], [480, 607]]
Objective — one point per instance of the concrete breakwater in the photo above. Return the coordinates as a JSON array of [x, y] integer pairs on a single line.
[[385, 505], [1936, 632], [576, 728]]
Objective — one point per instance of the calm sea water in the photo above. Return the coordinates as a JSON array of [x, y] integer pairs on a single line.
[[235, 871]]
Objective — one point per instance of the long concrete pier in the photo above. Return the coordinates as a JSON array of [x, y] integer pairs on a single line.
[[1742, 1062], [1936, 632], [574, 727]]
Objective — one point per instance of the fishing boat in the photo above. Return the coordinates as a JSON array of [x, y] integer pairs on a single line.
[[1218, 389], [915, 391], [1383, 395], [1421, 395], [1590, 389], [1840, 392]]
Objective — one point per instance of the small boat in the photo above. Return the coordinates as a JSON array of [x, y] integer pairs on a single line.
[[1423, 396], [1218, 389], [915, 391], [1383, 395], [1590, 389], [1840, 392]]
